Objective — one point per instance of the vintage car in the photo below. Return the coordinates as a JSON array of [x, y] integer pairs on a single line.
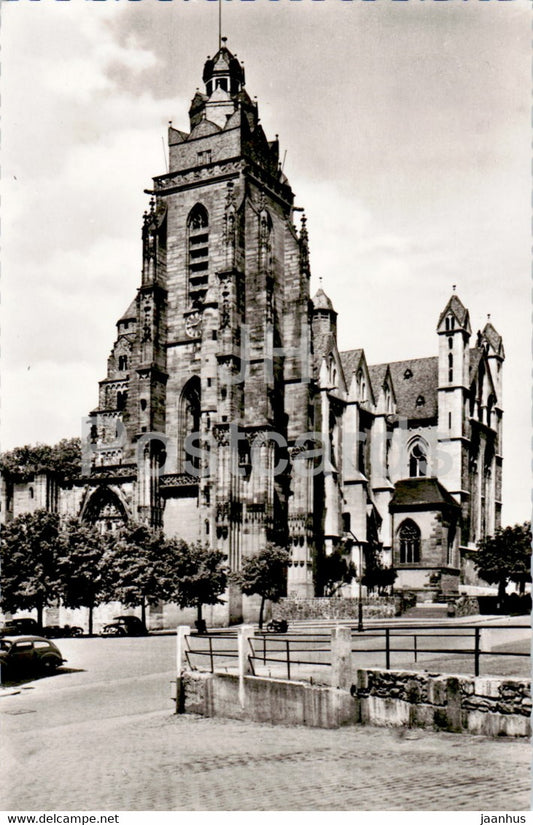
[[20, 627], [28, 656], [55, 631], [125, 626]]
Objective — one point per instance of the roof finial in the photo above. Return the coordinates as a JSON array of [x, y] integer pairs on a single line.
[[320, 281], [488, 316], [454, 287]]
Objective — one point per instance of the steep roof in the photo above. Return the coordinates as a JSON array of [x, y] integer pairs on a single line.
[[350, 361], [321, 301], [421, 492], [476, 354], [456, 306], [494, 338], [323, 344], [377, 377], [421, 384], [131, 312]]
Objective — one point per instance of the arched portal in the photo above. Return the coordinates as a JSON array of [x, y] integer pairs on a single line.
[[105, 509]]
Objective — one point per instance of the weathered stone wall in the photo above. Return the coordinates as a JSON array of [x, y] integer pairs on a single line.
[[467, 606], [489, 706], [334, 608]]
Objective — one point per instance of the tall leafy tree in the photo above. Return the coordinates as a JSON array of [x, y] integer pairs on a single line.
[[505, 557], [200, 577], [63, 458], [335, 570], [29, 550], [142, 566], [376, 575], [264, 574], [82, 567]]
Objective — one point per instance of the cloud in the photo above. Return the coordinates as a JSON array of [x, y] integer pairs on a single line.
[[406, 130]]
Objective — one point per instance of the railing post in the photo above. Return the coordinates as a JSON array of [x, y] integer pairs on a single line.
[[246, 632], [476, 650], [211, 654], [415, 647], [387, 648], [341, 657], [182, 632], [264, 650]]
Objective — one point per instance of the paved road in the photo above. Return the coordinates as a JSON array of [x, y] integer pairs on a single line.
[[104, 737]]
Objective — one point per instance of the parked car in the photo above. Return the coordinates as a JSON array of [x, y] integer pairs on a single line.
[[125, 626], [28, 656], [55, 631], [277, 626], [21, 627]]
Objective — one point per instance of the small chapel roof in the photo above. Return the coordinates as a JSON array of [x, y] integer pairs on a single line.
[[413, 493]]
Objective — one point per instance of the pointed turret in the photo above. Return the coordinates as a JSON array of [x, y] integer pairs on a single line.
[[454, 317], [492, 344], [223, 76], [454, 330], [324, 316]]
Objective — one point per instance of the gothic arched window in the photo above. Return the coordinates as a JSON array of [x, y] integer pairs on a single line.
[[189, 425], [450, 366], [388, 399], [418, 461], [361, 385], [198, 251], [123, 362], [409, 536]]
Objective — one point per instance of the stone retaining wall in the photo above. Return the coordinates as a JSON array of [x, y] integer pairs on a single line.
[[478, 705], [466, 606], [492, 706], [335, 608]]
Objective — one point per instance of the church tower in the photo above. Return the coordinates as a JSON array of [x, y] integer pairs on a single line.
[[208, 385]]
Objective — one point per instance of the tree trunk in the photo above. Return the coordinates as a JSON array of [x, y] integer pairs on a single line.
[[261, 609], [502, 584], [40, 615], [201, 626], [143, 611], [91, 608]]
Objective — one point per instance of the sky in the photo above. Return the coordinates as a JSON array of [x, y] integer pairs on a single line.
[[404, 128]]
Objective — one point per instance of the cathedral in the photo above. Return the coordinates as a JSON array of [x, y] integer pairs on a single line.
[[228, 414]]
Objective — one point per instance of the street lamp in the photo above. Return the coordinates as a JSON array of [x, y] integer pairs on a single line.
[[359, 544]]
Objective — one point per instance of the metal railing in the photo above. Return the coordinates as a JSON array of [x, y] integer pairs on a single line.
[[209, 650], [389, 634], [293, 651], [283, 647]]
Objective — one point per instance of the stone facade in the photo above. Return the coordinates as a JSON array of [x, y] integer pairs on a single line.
[[228, 414]]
